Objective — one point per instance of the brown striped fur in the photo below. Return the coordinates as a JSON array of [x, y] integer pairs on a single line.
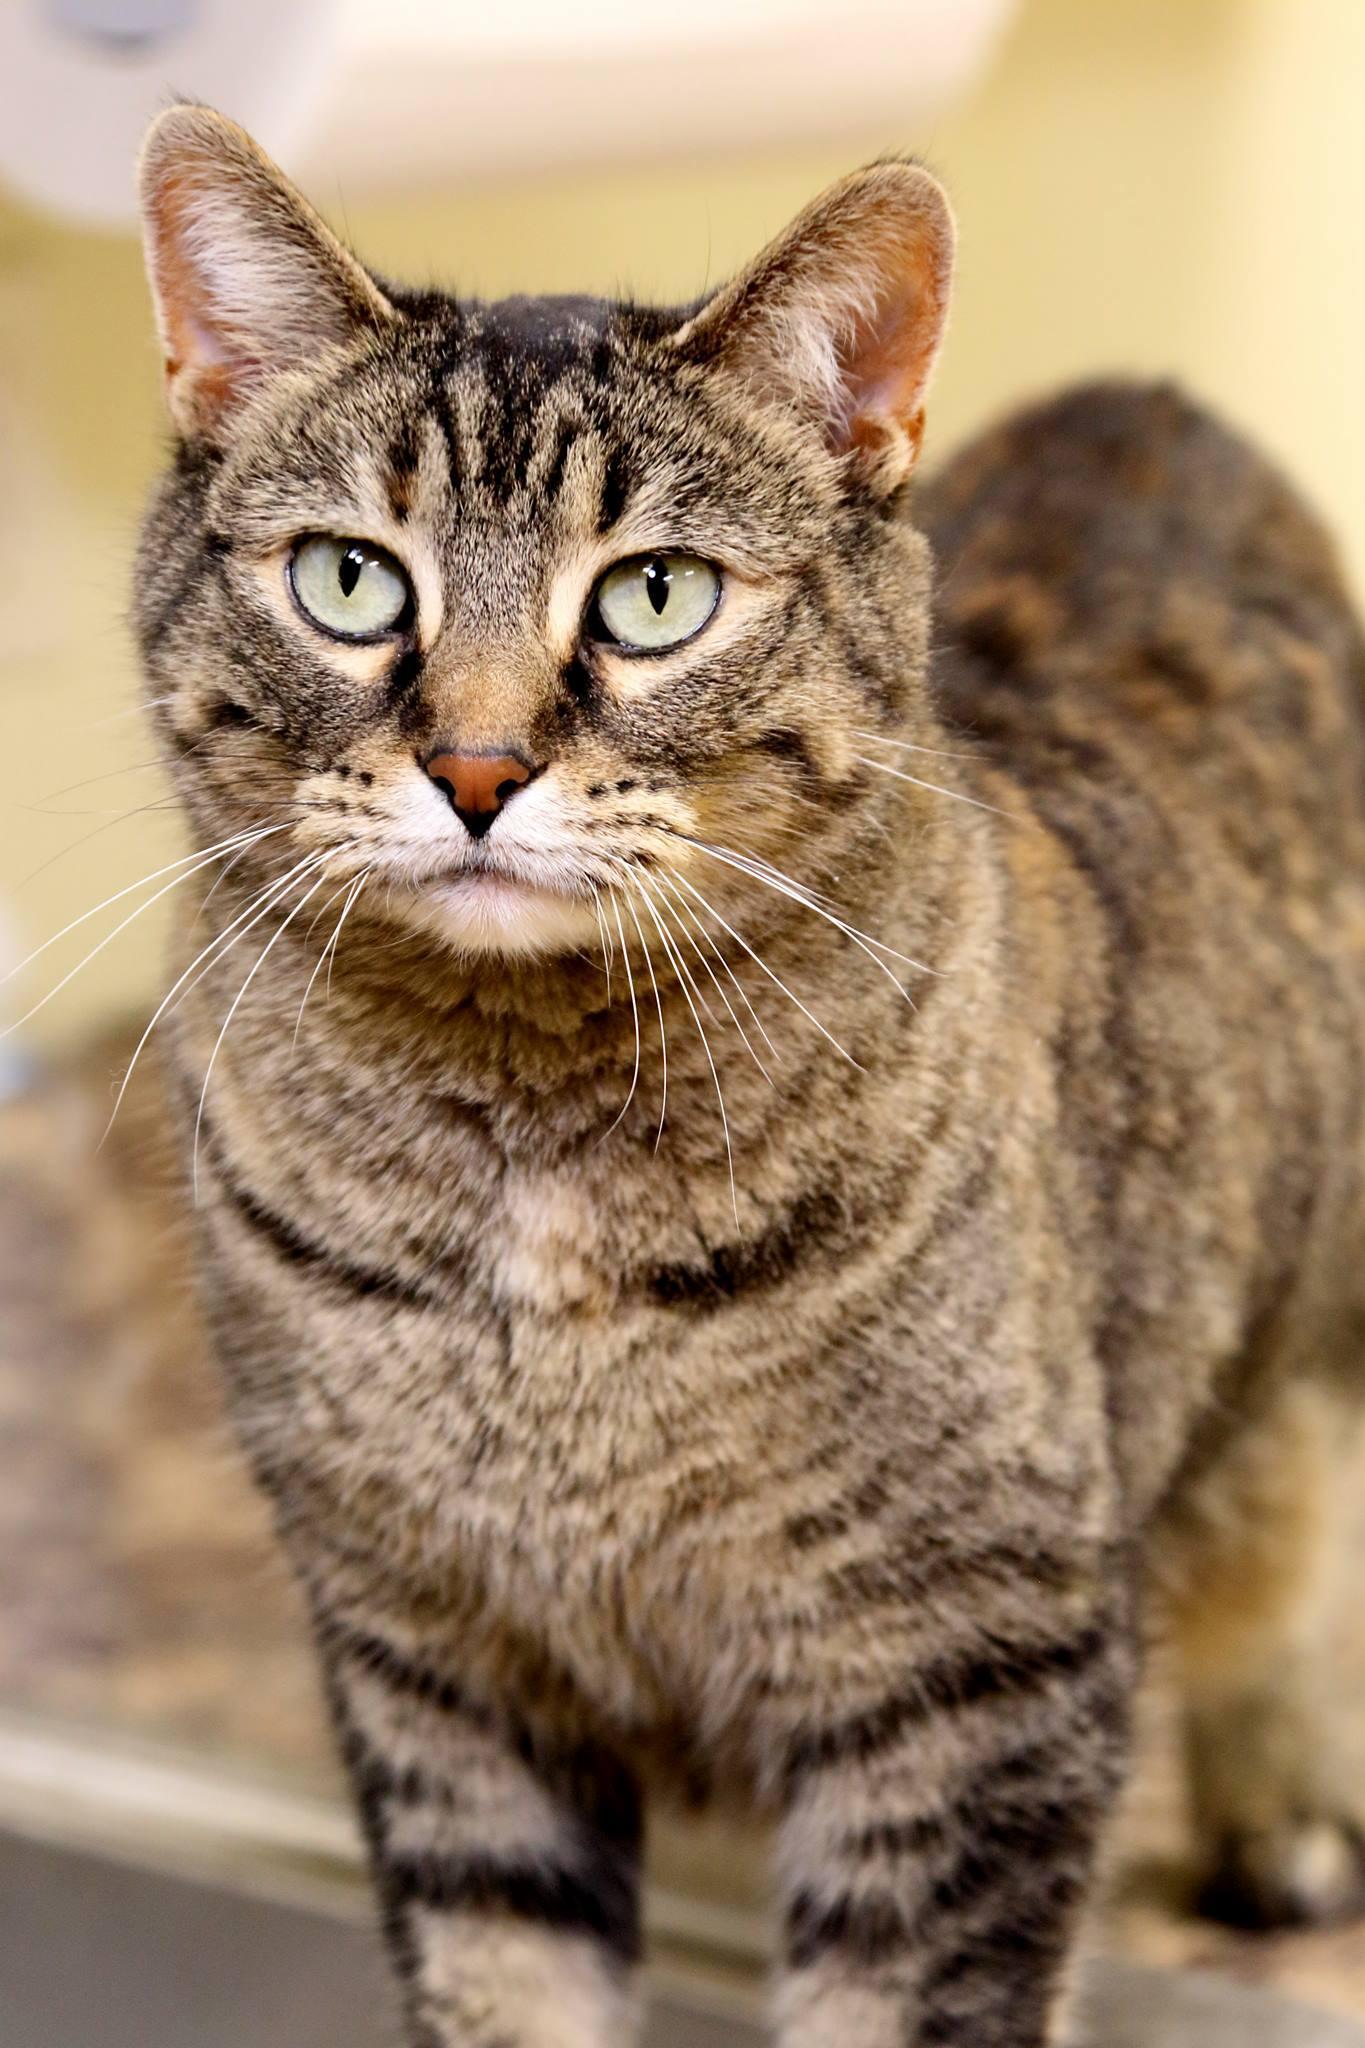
[[820, 1452]]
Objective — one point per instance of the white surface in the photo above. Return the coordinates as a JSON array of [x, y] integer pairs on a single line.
[[95, 1791], [73, 108], [93, 1955], [393, 93]]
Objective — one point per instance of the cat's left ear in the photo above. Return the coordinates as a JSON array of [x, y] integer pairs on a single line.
[[841, 317], [247, 279]]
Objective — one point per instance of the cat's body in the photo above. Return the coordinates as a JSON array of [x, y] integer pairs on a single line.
[[813, 1453]]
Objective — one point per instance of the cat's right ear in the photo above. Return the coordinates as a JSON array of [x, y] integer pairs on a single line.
[[246, 278], [839, 320]]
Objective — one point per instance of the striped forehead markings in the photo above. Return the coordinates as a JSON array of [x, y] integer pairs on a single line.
[[511, 416], [617, 485], [404, 455], [571, 427]]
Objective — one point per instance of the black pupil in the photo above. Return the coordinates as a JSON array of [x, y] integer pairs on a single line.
[[349, 568], [658, 577]]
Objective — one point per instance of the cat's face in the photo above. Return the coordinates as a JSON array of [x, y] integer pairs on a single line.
[[493, 605]]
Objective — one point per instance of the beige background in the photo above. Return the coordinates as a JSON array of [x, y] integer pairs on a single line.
[[1170, 186]]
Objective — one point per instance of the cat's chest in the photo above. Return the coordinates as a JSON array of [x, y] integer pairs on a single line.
[[550, 1246], [522, 1425], [488, 1330], [538, 1374]]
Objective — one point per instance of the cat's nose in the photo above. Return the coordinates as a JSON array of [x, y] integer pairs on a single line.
[[478, 785]]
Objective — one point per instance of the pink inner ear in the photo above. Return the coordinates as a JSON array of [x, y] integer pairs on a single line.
[[208, 366], [200, 341], [193, 343], [887, 358]]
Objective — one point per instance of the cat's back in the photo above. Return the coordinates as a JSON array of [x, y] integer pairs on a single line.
[[1128, 590]]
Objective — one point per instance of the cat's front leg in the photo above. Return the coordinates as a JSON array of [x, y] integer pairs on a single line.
[[506, 1855], [938, 1840]]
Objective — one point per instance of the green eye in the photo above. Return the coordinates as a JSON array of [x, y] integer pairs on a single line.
[[655, 601], [350, 588]]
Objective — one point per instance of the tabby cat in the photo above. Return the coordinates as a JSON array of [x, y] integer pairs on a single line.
[[777, 1141]]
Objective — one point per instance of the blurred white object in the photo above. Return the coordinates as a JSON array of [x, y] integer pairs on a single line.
[[393, 93], [79, 80]]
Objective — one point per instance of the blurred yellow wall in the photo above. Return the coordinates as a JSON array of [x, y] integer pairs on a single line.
[[1170, 186]]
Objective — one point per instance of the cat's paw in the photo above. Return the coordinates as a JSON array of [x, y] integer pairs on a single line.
[[1307, 1872]]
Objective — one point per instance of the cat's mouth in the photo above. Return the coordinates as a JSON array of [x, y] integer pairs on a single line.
[[480, 877], [490, 886], [486, 908]]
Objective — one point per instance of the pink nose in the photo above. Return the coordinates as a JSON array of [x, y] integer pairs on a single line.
[[478, 785]]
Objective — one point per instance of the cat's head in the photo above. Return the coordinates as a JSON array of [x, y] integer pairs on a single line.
[[497, 603]]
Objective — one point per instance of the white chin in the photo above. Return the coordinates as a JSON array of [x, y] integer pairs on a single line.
[[484, 913]]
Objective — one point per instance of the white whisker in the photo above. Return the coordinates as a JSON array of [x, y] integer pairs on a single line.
[[255, 968], [138, 710], [201, 856], [678, 908], [686, 983], [764, 968], [323, 907], [659, 1006], [766, 870], [695, 921], [635, 1016], [202, 861], [640, 880], [263, 901], [88, 781], [347, 908], [782, 885], [604, 935], [165, 806], [219, 879], [912, 747], [350, 891], [899, 774]]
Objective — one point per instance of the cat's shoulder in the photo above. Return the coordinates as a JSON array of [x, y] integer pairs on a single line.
[[1122, 474], [1123, 528]]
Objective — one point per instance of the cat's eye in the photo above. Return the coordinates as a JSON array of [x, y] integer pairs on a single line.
[[655, 601], [350, 588]]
